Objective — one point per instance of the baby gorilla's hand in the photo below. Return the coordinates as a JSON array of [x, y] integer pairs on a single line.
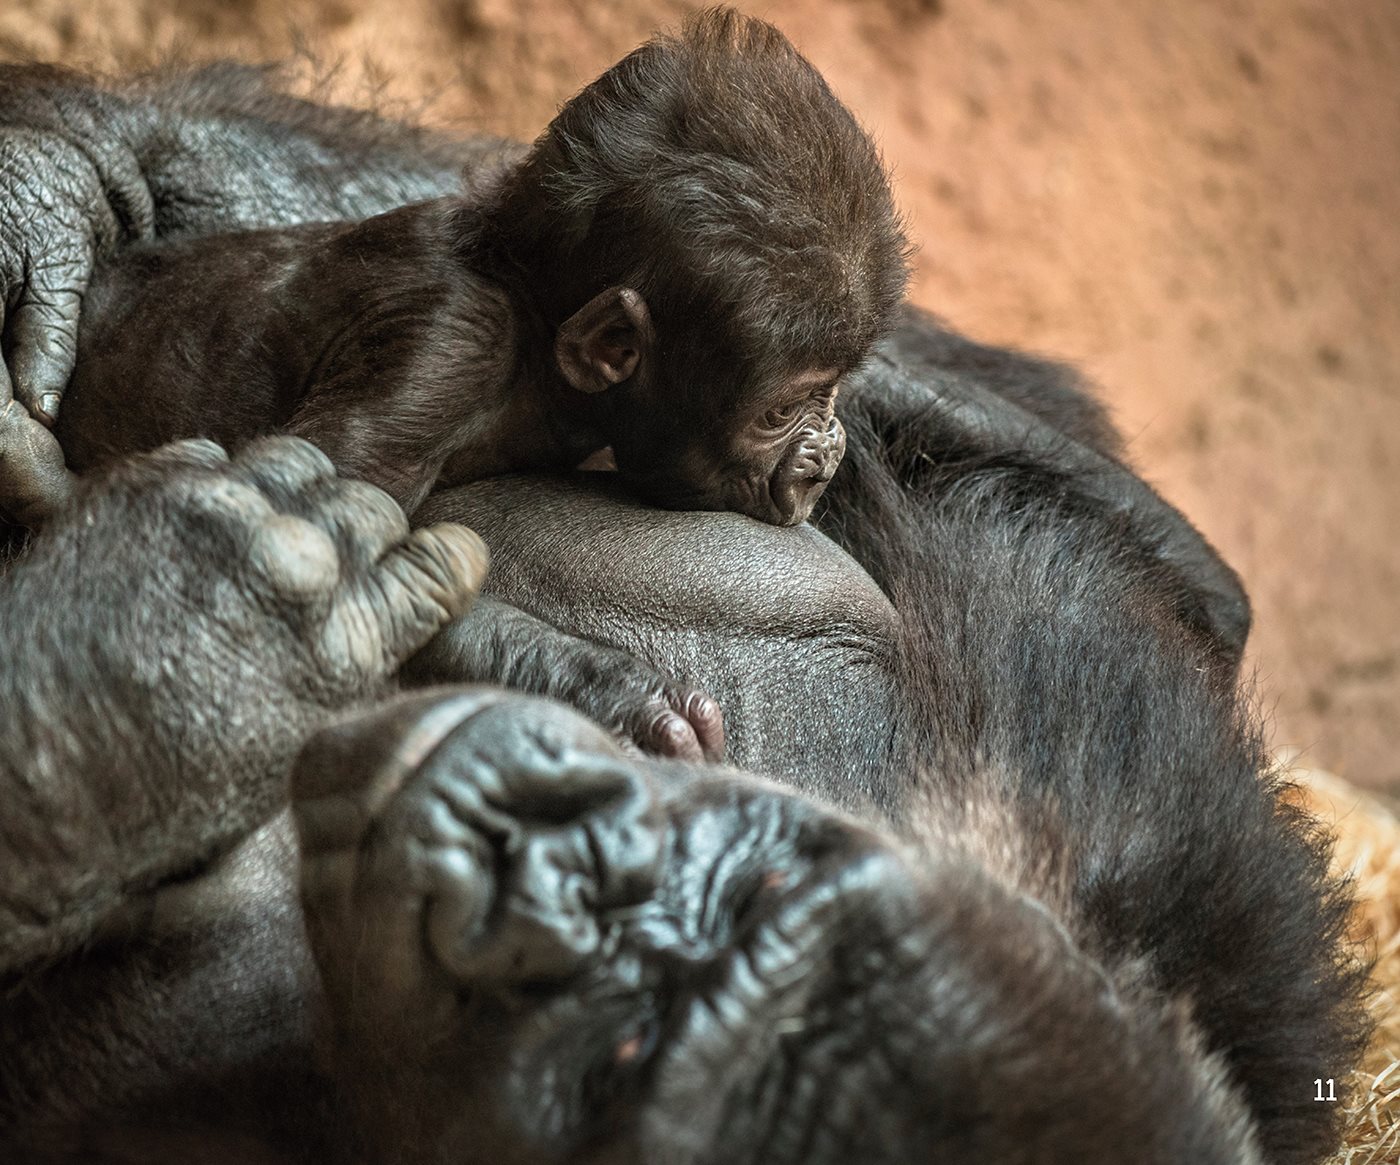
[[499, 644], [661, 716]]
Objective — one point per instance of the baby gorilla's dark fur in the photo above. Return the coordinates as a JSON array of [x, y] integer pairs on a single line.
[[684, 266]]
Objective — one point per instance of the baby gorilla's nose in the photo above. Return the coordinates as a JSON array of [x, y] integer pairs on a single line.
[[803, 474]]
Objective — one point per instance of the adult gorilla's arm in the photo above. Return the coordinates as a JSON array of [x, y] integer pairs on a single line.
[[85, 168], [161, 685]]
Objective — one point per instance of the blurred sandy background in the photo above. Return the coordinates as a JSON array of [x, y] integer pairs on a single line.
[[1196, 202]]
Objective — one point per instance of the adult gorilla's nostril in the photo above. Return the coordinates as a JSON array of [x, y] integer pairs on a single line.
[[491, 858]]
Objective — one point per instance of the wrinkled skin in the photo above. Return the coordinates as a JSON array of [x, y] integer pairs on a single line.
[[747, 596], [773, 461], [1049, 896], [537, 950], [266, 582], [534, 947]]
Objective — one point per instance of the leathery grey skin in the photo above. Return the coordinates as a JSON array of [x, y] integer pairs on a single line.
[[538, 946], [779, 626], [531, 944], [1086, 932], [169, 646]]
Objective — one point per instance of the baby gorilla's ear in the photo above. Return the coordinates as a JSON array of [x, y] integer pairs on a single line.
[[603, 342]]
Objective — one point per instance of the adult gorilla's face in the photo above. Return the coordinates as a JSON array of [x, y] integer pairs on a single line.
[[564, 953], [537, 949]]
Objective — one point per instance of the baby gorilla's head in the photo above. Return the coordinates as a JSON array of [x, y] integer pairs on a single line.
[[713, 237]]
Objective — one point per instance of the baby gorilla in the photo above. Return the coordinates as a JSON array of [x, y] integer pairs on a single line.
[[683, 267]]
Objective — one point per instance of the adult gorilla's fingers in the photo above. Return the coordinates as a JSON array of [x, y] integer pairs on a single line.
[[285, 469], [44, 337], [417, 587], [34, 481], [7, 392], [362, 519], [190, 453], [301, 480]]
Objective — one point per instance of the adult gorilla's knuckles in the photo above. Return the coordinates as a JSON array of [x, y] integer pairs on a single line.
[[283, 467], [270, 547], [363, 521], [194, 453], [296, 559]]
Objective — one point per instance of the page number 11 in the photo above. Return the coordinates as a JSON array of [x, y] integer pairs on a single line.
[[1329, 1094]]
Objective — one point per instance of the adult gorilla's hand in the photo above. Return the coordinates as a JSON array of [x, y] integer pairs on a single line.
[[179, 632], [71, 188]]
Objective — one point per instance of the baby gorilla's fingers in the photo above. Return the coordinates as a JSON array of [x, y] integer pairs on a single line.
[[420, 584], [679, 721], [705, 719]]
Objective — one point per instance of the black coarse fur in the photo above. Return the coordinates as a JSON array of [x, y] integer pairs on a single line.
[[929, 403], [721, 153], [1043, 676]]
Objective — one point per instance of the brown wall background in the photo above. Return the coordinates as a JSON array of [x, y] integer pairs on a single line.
[[1198, 203]]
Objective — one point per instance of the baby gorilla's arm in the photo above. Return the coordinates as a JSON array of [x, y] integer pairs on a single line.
[[499, 643], [181, 632], [85, 169]]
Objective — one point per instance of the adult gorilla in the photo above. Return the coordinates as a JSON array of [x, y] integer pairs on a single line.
[[1064, 920]]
